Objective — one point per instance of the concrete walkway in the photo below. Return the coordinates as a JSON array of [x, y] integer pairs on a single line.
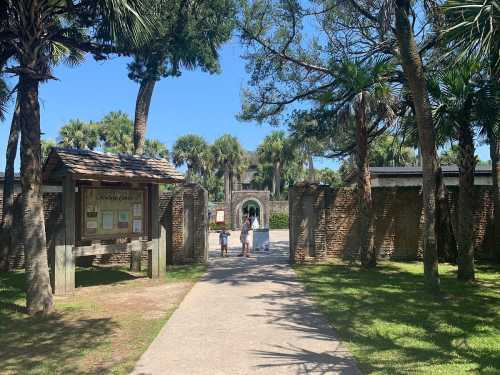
[[247, 316]]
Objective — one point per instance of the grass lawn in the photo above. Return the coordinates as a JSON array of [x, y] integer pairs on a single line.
[[103, 328], [392, 326]]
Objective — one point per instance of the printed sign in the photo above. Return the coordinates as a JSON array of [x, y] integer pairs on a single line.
[[219, 217], [137, 227], [137, 210], [107, 220], [112, 212]]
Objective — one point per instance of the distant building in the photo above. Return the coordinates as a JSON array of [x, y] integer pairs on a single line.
[[412, 176]]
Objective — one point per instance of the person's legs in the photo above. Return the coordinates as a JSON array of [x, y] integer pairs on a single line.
[[247, 248], [242, 248]]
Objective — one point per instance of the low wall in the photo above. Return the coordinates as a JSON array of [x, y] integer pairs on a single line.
[[324, 222], [278, 207]]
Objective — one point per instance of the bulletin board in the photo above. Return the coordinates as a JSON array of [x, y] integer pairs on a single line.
[[109, 213]]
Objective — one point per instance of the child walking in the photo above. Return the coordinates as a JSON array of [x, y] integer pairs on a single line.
[[223, 240]]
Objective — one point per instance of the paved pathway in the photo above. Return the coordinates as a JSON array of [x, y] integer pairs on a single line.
[[247, 316]]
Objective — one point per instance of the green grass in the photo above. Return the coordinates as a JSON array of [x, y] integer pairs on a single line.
[[392, 326], [79, 337], [185, 272]]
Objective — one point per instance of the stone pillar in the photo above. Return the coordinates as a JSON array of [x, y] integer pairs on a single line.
[[63, 267], [157, 264]]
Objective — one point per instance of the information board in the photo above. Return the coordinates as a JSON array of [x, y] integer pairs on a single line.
[[112, 212]]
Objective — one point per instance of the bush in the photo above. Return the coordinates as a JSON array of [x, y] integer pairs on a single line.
[[215, 226], [278, 221]]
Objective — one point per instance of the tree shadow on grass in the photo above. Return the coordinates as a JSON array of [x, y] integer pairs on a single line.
[[102, 276], [44, 345], [397, 327]]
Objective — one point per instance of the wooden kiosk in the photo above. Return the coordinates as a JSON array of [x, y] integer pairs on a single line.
[[110, 204]]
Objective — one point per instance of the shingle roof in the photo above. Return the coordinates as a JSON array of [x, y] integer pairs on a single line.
[[86, 164], [417, 171]]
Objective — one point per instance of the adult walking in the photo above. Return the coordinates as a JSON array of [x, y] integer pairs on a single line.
[[245, 238]]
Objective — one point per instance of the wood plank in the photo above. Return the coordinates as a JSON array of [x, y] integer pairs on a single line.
[[98, 249]]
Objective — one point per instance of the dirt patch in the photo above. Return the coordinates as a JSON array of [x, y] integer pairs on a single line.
[[100, 329]]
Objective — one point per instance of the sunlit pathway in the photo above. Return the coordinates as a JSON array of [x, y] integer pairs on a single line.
[[247, 316]]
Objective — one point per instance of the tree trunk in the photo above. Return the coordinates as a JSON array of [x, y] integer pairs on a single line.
[[494, 141], [276, 180], [466, 164], [188, 174], [446, 241], [366, 246], [414, 72], [39, 293], [6, 237], [141, 114], [311, 172]]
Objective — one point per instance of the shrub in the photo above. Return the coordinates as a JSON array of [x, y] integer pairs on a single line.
[[215, 226], [278, 221]]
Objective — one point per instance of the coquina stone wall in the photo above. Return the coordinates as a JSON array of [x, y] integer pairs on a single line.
[[180, 248], [324, 222]]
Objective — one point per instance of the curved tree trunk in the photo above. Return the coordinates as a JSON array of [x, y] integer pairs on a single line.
[[141, 114], [6, 242], [366, 246], [466, 164], [494, 142], [39, 293], [414, 73]]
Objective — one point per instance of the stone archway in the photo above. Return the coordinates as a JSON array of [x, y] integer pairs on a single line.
[[244, 200], [249, 207]]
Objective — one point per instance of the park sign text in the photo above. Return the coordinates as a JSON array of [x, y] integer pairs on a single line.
[[109, 213]]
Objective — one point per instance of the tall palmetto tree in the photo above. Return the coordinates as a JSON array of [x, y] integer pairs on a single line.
[[372, 101], [191, 150], [8, 185], [155, 149], [78, 134], [274, 149], [473, 30], [116, 133], [227, 156], [455, 92], [187, 36], [33, 31], [413, 68]]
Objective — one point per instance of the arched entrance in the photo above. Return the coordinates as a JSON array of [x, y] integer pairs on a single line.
[[250, 207]]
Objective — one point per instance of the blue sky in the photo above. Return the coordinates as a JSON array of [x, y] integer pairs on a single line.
[[196, 102]]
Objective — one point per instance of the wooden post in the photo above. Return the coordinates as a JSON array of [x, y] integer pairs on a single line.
[[158, 255], [64, 260]]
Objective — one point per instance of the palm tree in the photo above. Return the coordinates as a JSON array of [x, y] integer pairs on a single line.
[[228, 157], [413, 69], [275, 149], [473, 30], [155, 149], [190, 149], [7, 222], [116, 132], [34, 31], [455, 92], [187, 36], [372, 101], [77, 134]]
